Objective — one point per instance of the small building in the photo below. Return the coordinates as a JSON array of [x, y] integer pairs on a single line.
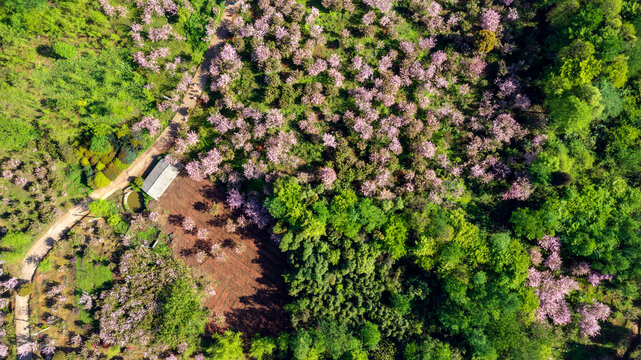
[[159, 179]]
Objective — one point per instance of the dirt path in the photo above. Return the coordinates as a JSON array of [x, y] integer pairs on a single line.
[[61, 226]]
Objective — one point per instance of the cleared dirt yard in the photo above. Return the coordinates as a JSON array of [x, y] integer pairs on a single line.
[[249, 291]]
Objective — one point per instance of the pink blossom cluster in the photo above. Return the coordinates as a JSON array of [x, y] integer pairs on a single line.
[[148, 122], [157, 7], [521, 189], [188, 224], [151, 61], [551, 291], [161, 33], [327, 176], [224, 68], [421, 87], [86, 300], [172, 66], [107, 8], [207, 165], [490, 20], [4, 302], [591, 314], [210, 29]]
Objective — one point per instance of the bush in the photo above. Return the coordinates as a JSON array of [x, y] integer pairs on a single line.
[[117, 163], [138, 181], [100, 180], [26, 289], [106, 159], [45, 266], [16, 241], [127, 155], [100, 144], [64, 50], [485, 41], [91, 276], [102, 208], [111, 172], [15, 134], [113, 351]]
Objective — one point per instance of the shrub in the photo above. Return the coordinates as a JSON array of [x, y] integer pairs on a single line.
[[102, 208], [485, 41], [111, 172], [45, 266], [26, 289], [15, 134], [101, 180], [91, 276], [127, 155], [108, 157], [113, 351], [117, 163], [100, 144], [64, 50], [16, 241]]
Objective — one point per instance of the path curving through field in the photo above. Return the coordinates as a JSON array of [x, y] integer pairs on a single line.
[[65, 222]]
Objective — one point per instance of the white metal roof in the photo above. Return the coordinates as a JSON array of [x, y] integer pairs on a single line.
[[159, 179]]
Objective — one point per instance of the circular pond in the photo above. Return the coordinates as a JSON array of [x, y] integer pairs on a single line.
[[135, 201]]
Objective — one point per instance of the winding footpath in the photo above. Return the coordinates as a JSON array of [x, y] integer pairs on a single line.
[[65, 222]]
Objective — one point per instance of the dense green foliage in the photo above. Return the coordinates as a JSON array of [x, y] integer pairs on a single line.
[[445, 179], [71, 91], [182, 316]]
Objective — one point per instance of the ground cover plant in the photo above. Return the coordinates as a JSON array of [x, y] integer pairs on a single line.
[[107, 285], [86, 87], [447, 179]]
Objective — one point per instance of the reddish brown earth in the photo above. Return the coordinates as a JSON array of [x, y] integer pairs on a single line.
[[250, 290]]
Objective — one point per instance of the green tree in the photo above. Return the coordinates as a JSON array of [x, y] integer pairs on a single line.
[[395, 235], [286, 202], [570, 114], [182, 318], [262, 347], [370, 335], [100, 144], [228, 346]]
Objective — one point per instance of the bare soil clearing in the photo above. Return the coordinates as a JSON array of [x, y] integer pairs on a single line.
[[250, 290]]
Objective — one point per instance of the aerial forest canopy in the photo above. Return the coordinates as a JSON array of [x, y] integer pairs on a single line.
[[447, 179]]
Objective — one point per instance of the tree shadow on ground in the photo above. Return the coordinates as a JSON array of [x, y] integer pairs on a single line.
[[263, 312]]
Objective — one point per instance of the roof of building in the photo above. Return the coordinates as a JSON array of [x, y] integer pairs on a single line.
[[159, 179]]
